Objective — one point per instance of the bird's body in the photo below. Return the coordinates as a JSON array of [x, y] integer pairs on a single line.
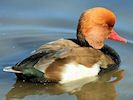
[[64, 61], [68, 60]]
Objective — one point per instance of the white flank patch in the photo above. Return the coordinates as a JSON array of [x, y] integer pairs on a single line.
[[77, 71]]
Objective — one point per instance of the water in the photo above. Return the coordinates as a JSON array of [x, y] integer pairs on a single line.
[[26, 25]]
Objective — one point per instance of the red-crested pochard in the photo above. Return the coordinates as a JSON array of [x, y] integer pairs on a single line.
[[67, 60]]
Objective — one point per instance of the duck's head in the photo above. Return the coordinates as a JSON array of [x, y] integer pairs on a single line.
[[96, 25]]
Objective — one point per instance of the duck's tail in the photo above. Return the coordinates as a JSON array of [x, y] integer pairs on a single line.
[[9, 69]]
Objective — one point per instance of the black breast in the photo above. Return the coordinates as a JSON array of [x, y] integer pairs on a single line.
[[115, 57]]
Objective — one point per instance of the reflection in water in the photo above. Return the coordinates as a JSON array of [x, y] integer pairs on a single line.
[[88, 89]]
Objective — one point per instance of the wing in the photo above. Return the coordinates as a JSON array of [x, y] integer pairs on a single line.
[[44, 56]]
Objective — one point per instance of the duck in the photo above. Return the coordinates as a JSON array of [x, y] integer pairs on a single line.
[[67, 60]]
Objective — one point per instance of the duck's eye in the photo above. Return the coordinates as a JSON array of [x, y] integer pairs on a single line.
[[106, 25]]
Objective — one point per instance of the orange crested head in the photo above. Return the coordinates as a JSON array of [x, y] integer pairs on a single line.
[[96, 25]]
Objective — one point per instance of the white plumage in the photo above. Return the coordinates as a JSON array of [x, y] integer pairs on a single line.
[[75, 71]]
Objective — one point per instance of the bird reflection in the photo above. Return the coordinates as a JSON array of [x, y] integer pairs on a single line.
[[96, 88]]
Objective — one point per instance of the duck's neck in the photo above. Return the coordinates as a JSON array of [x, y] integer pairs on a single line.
[[81, 40]]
